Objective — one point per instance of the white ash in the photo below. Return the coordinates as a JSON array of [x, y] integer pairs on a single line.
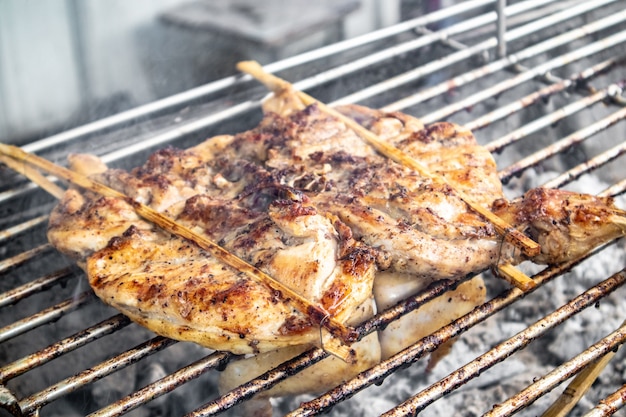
[[509, 377]]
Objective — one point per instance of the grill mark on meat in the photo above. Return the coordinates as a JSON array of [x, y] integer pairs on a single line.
[[342, 157], [242, 170], [231, 295], [317, 156], [294, 209], [334, 296], [444, 134], [152, 291], [295, 325], [250, 236], [216, 216], [160, 161], [358, 260], [157, 181]]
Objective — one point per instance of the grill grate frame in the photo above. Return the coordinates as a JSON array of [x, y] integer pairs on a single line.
[[454, 40]]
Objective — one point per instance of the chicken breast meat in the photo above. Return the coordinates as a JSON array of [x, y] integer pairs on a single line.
[[174, 288], [306, 200]]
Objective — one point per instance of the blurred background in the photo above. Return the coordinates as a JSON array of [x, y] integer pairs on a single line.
[[66, 62]]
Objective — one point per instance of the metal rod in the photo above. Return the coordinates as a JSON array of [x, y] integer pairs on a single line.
[[546, 121], [20, 228], [181, 131], [216, 86], [456, 57], [429, 38], [64, 387], [552, 64], [610, 405], [415, 352], [164, 385], [499, 65], [615, 189], [263, 382], [577, 137], [32, 287], [587, 166], [23, 257], [509, 109], [444, 36], [62, 347], [578, 387], [570, 368], [45, 316], [512, 345], [617, 96], [22, 188], [312, 356], [501, 28]]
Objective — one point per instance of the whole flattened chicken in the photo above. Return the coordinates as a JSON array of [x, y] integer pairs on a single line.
[[304, 199], [174, 288], [422, 230]]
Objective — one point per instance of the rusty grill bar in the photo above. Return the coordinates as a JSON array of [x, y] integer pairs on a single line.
[[509, 45], [519, 341]]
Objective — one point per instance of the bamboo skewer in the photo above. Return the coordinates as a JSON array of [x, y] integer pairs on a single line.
[[275, 84], [33, 175], [511, 234], [578, 387], [516, 277], [342, 335]]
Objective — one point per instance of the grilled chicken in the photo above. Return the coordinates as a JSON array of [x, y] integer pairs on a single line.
[[304, 199], [418, 226], [422, 229], [180, 291], [566, 224]]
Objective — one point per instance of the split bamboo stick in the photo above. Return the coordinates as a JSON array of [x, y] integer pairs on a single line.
[[509, 233], [342, 335]]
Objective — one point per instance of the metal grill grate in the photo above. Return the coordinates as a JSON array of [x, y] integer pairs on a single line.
[[557, 62]]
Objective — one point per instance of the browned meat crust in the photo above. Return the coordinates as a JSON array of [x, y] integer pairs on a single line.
[[303, 198]]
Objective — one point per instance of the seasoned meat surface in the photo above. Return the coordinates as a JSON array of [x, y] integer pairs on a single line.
[[567, 225], [304, 199], [418, 226], [178, 290]]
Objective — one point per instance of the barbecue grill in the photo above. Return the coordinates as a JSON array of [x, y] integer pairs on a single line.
[[539, 82]]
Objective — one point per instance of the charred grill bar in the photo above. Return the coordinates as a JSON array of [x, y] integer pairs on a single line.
[[449, 53]]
